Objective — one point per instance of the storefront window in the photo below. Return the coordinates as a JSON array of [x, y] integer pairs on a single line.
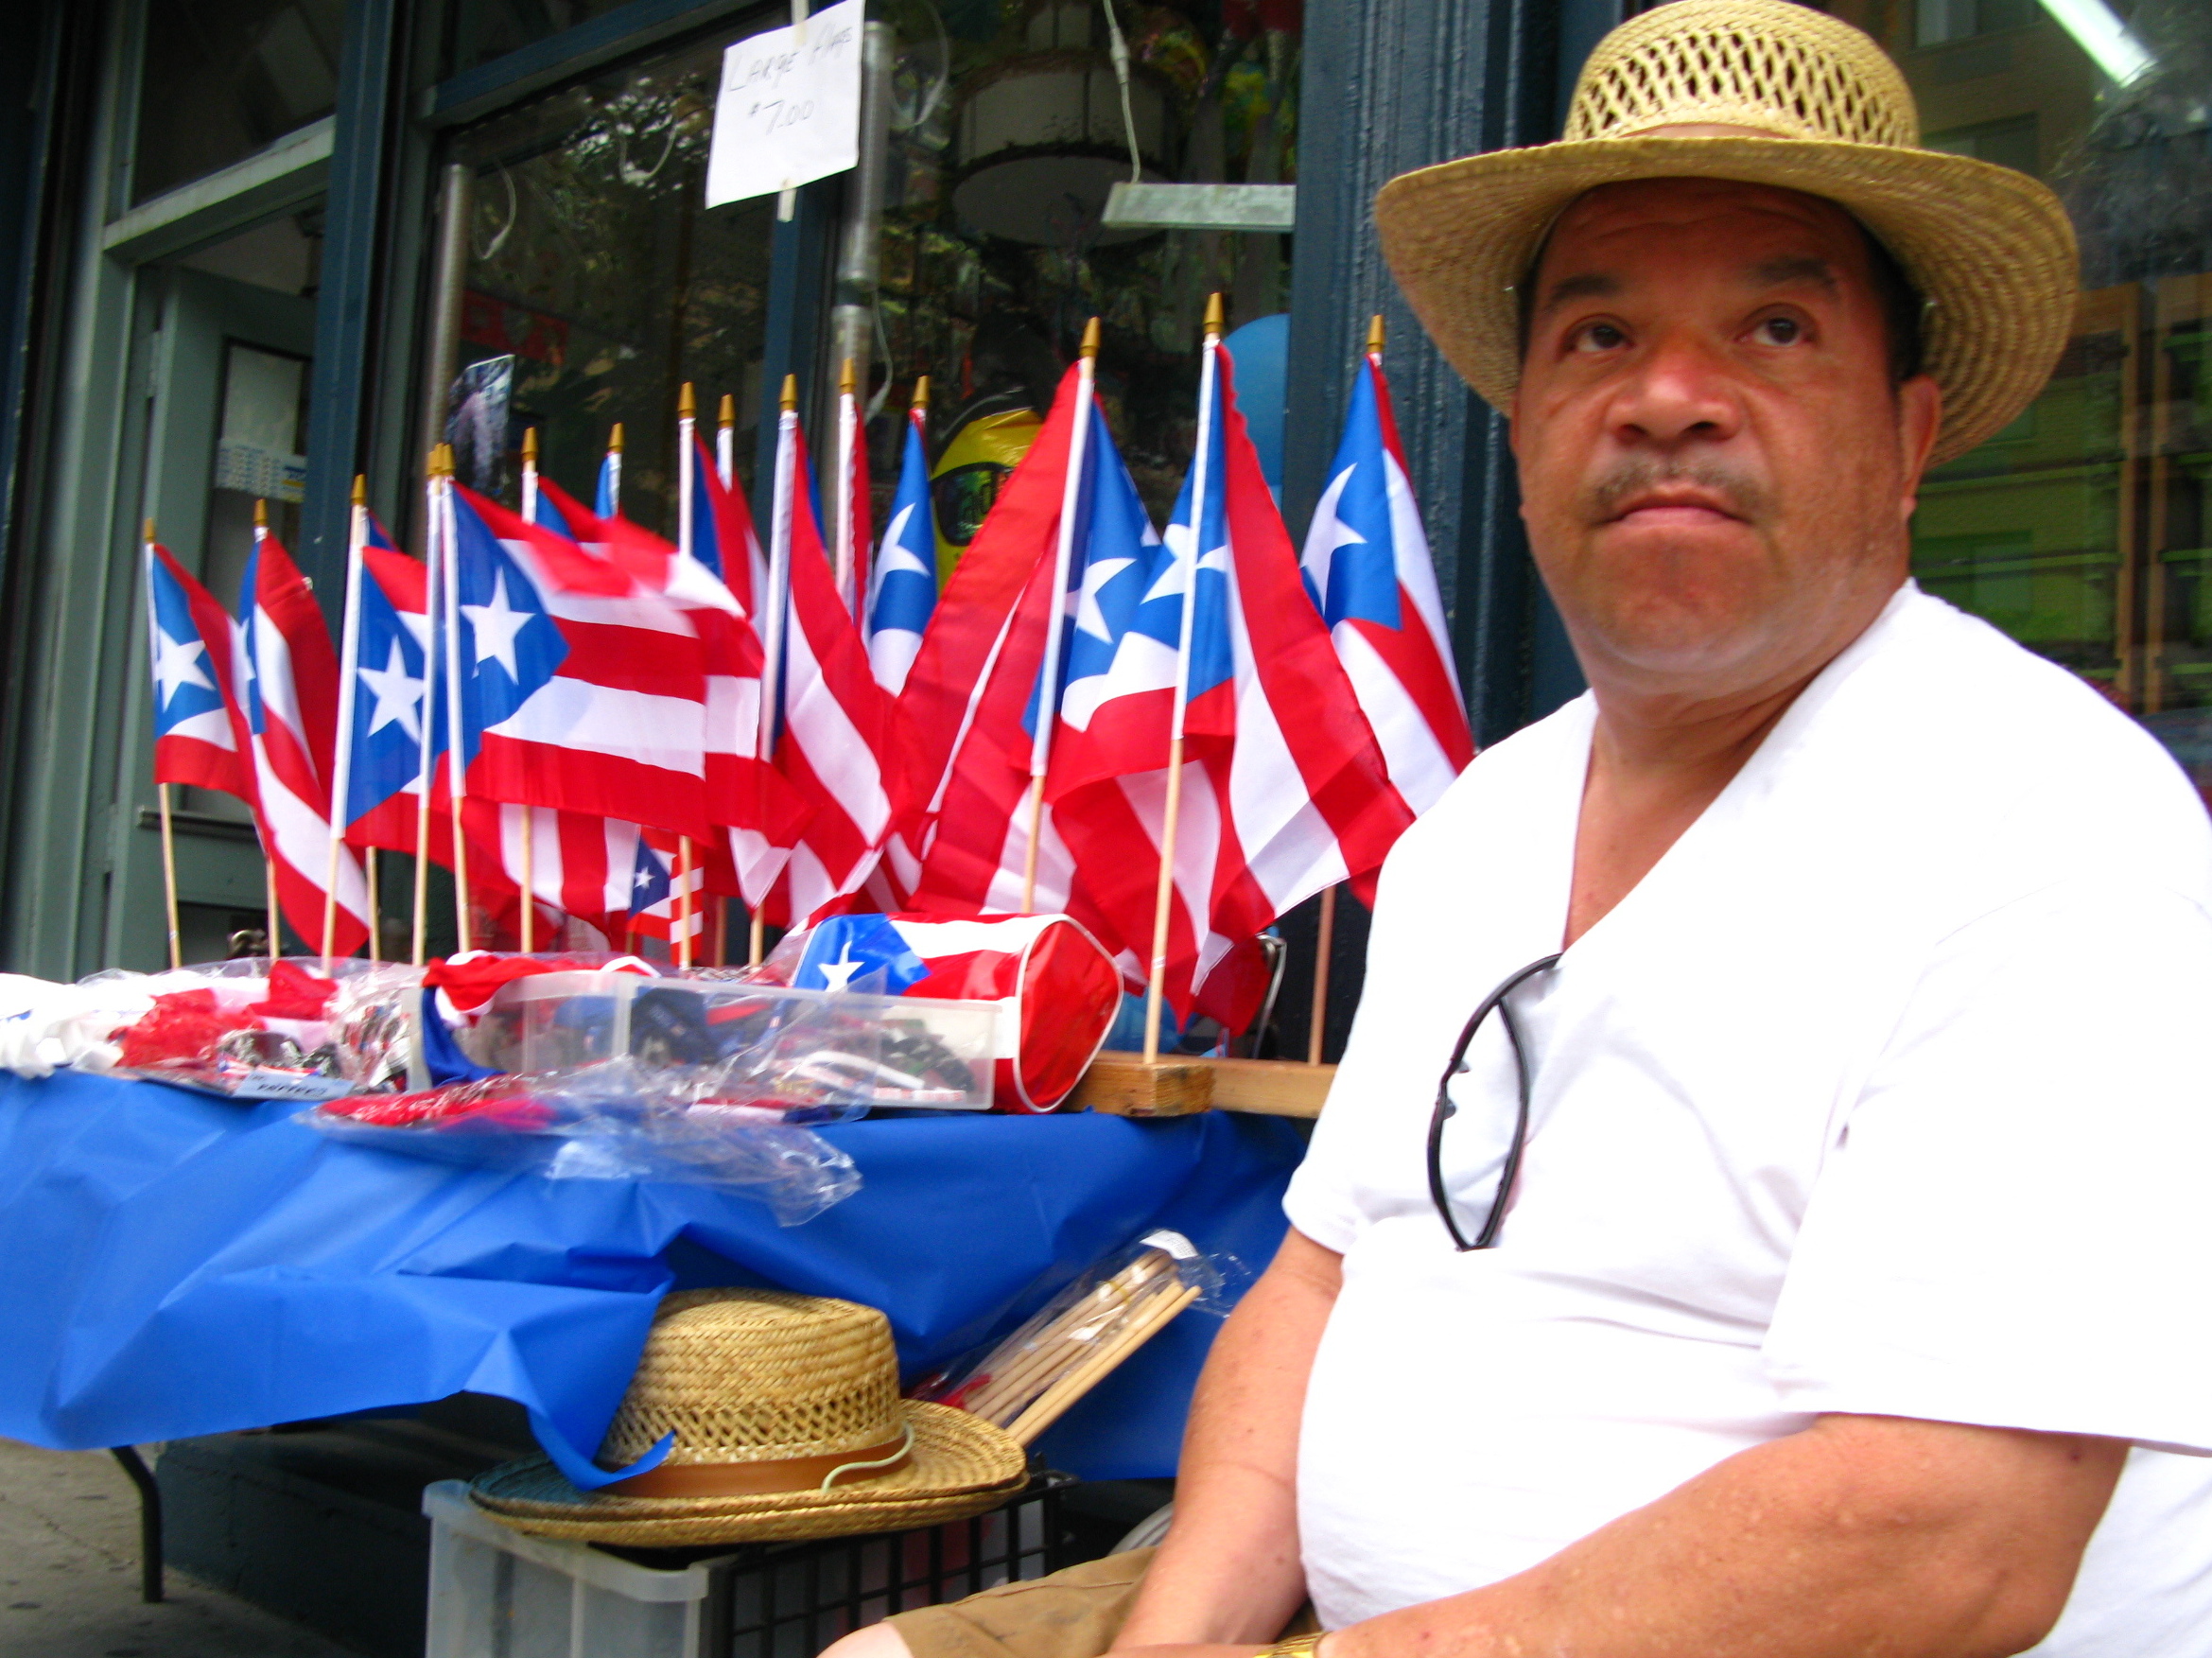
[[2080, 528], [485, 30], [1009, 130], [595, 266], [224, 77]]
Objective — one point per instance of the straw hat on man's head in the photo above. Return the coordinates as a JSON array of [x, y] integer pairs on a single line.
[[788, 1424], [1761, 92]]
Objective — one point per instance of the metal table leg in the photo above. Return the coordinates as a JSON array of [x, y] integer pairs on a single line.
[[149, 1521]]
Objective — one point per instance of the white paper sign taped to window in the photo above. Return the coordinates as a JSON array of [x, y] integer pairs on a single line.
[[790, 107]]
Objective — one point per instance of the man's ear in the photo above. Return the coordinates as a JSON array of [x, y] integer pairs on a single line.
[[1920, 417]]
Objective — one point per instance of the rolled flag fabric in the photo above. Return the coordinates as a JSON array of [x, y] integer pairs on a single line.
[[578, 688], [658, 887], [1366, 568], [285, 677], [1056, 990], [905, 587], [194, 735]]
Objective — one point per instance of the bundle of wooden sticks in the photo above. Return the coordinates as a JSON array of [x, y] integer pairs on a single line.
[[1030, 1380]]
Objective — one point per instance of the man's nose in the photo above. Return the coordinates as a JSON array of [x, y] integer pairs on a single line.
[[1678, 390]]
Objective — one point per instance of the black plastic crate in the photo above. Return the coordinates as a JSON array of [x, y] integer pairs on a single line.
[[791, 1600]]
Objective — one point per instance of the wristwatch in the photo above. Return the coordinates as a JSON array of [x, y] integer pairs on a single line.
[[1297, 1646]]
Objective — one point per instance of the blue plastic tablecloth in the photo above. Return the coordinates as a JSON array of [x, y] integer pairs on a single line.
[[173, 1265]]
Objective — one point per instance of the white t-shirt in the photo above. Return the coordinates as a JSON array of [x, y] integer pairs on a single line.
[[1887, 1091]]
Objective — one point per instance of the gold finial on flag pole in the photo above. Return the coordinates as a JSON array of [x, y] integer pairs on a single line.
[[790, 391], [615, 438], [687, 403], [846, 378], [1090, 334], [1215, 319], [1375, 336], [530, 445], [921, 394], [729, 410], [260, 514], [361, 490]]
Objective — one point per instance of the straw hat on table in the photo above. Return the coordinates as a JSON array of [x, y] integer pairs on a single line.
[[788, 1424], [1767, 93]]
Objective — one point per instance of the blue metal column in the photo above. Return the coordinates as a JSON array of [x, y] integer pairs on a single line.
[[346, 308], [1386, 89]]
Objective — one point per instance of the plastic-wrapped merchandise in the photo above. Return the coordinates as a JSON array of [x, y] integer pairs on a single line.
[[615, 1121], [368, 1019], [739, 1037], [1026, 1382], [247, 1030]]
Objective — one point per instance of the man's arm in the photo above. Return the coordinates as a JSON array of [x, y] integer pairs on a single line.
[[1229, 1569], [1861, 1534]]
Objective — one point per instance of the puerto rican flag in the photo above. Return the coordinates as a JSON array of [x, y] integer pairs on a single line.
[[905, 587], [1284, 791], [833, 724], [578, 689], [287, 683], [657, 887], [578, 865], [978, 857], [194, 735], [1366, 567]]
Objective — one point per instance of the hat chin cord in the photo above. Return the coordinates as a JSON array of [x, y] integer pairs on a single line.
[[898, 1457]]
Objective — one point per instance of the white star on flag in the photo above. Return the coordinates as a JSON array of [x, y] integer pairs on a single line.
[[1090, 619], [838, 974], [398, 695], [496, 626], [177, 665], [1320, 557]]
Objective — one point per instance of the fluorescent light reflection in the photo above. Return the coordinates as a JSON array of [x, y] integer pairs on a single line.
[[2112, 46]]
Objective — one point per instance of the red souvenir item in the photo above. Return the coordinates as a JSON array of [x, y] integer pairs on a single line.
[[296, 993], [183, 1025], [1059, 988]]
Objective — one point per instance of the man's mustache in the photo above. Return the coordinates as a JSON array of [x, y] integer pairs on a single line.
[[1738, 492]]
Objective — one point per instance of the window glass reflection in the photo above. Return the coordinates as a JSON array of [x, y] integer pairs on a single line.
[[2080, 528], [595, 266], [225, 78]]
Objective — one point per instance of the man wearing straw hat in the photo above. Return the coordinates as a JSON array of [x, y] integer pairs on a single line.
[[1759, 1210]]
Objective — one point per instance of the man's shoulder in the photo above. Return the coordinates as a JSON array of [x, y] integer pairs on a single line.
[[1970, 745]]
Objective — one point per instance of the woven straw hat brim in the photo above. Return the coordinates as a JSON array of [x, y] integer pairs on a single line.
[[961, 1465], [1990, 248]]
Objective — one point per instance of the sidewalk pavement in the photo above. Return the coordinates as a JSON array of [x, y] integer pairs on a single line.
[[69, 1575]]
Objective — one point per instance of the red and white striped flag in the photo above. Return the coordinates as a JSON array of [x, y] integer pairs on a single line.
[[285, 677]]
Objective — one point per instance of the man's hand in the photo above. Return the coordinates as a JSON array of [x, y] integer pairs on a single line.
[[1862, 1534], [1229, 1569]]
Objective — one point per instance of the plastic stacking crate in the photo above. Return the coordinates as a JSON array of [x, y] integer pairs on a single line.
[[497, 1593]]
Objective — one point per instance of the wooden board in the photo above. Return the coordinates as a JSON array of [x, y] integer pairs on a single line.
[[1275, 1088], [1123, 1085]]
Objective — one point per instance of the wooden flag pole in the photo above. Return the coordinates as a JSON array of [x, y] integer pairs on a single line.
[[725, 466], [161, 790], [349, 661], [614, 472], [1040, 746], [1164, 902], [434, 658], [1325, 929], [456, 772], [776, 602], [841, 526], [275, 917], [1324, 938], [721, 933], [529, 890], [683, 900]]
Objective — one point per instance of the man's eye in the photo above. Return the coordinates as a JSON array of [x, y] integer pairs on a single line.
[[1599, 337], [1780, 331]]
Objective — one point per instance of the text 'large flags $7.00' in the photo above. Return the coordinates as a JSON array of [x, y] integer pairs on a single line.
[[1367, 565], [578, 688], [286, 681], [1284, 791], [195, 736]]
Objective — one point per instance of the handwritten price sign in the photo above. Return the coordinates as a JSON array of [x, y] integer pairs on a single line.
[[789, 107]]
